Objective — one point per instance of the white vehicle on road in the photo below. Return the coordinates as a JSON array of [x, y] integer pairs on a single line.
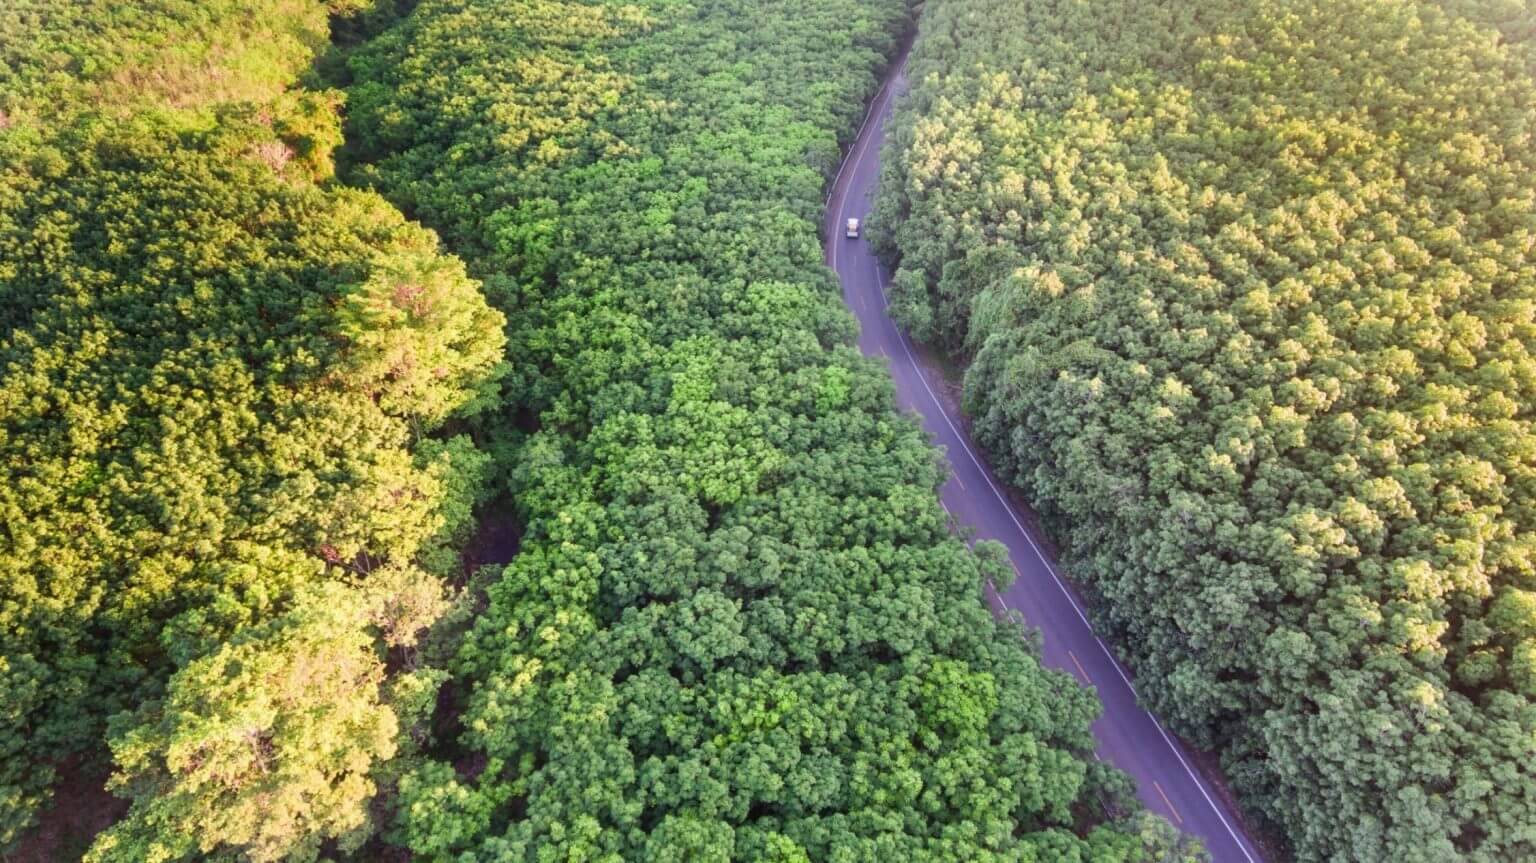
[[853, 227]]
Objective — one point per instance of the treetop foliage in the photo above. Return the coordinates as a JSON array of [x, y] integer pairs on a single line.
[[267, 744], [216, 377], [247, 412], [1247, 291], [739, 626], [57, 58]]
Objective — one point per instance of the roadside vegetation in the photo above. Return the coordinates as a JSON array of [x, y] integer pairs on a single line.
[[1246, 293]]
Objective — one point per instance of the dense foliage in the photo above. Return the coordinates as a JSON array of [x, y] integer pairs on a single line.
[[1249, 294], [739, 627], [57, 57], [269, 743], [215, 380]]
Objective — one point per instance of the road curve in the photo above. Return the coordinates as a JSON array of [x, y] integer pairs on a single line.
[[1129, 737]]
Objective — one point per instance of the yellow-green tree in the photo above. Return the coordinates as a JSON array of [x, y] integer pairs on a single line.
[[269, 745], [217, 370]]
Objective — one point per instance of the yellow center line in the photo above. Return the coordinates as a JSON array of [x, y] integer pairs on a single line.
[[1163, 794], [1086, 678]]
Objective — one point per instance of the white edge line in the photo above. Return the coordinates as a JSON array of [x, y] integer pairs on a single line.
[[853, 157], [859, 134], [1050, 569], [1241, 846], [999, 595]]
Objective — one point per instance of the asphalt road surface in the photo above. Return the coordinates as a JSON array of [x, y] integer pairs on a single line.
[[1129, 737]]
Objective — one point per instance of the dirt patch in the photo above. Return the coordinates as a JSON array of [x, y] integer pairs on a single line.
[[496, 539], [1271, 845], [81, 808]]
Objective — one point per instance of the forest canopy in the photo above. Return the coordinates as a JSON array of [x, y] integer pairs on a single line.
[[249, 411], [739, 626], [217, 378], [117, 58], [1248, 297]]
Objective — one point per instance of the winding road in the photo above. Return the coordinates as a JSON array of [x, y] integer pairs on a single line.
[[1129, 737]]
